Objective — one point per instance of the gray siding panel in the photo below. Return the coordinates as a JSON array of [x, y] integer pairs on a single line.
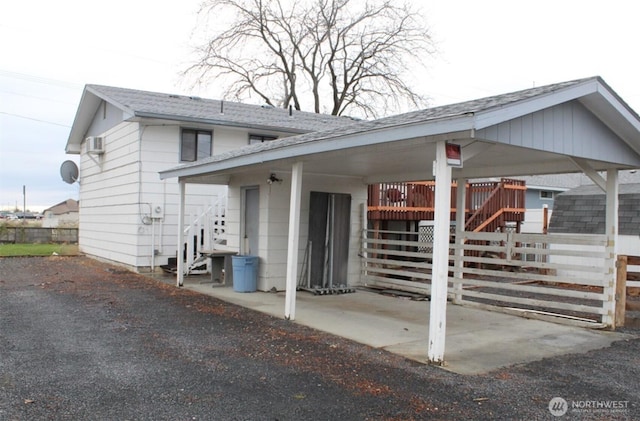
[[567, 128], [547, 130], [567, 115], [527, 131]]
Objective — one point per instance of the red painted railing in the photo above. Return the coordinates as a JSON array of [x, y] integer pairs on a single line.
[[489, 205]]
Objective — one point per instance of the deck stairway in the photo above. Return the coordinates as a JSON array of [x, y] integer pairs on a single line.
[[205, 231], [490, 205]]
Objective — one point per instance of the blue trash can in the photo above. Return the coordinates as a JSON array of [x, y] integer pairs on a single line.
[[245, 273]]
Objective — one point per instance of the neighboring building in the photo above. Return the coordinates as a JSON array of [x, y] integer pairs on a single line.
[[542, 190], [582, 211], [125, 137], [64, 214]]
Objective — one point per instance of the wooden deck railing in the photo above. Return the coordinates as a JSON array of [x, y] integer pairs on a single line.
[[489, 205], [627, 284]]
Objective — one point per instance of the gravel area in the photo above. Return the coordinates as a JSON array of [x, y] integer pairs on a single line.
[[83, 340]]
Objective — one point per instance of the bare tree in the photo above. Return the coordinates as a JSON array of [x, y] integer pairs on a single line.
[[336, 56]]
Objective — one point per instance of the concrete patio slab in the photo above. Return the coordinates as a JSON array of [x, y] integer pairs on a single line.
[[477, 341]]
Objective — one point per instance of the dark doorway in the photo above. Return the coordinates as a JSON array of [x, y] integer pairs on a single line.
[[329, 225], [250, 220]]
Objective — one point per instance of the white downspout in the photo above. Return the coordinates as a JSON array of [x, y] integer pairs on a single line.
[[153, 245]]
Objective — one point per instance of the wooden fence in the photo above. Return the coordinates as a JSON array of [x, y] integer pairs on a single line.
[[627, 284], [28, 235], [535, 275]]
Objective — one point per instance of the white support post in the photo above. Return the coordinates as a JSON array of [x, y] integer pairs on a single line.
[[191, 233], [293, 242], [180, 248], [611, 230], [461, 205], [441, 232]]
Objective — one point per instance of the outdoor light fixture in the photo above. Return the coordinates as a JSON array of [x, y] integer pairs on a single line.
[[273, 179]]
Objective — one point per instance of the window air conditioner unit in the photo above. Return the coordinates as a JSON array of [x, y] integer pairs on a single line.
[[95, 145]]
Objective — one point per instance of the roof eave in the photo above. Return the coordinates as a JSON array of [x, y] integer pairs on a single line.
[[497, 115], [89, 103], [140, 115], [294, 151], [593, 93], [87, 107]]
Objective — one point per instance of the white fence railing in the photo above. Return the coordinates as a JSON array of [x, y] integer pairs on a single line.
[[534, 274], [206, 228], [636, 270]]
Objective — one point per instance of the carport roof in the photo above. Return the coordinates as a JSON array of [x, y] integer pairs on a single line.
[[543, 130]]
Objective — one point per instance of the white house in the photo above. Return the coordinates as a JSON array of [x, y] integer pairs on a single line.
[[575, 126], [125, 137]]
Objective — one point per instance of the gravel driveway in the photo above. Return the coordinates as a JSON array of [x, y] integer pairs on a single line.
[[82, 340]]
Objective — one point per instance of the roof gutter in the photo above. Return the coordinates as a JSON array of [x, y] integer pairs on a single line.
[[226, 123]]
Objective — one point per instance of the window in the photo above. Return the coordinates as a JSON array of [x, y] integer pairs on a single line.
[[195, 145], [546, 194], [258, 138]]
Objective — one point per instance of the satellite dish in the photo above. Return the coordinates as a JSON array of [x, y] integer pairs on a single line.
[[69, 172]]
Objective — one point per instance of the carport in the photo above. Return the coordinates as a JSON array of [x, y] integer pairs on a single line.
[[576, 126]]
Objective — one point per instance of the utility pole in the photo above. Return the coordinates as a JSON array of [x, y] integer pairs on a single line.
[[24, 204]]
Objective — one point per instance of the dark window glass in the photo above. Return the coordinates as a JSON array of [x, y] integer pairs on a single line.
[[188, 146], [545, 194], [204, 145], [195, 145]]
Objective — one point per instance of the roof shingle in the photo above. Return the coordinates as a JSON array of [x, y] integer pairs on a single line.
[[582, 211], [190, 108]]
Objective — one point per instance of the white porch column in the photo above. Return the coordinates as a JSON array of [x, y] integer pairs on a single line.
[[441, 231], [180, 248], [461, 205], [293, 242], [611, 231]]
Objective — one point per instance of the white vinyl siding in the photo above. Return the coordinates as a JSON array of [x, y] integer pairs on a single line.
[[108, 188], [274, 221], [121, 188], [228, 139], [159, 152]]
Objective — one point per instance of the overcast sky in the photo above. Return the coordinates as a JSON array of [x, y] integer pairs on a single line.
[[51, 49]]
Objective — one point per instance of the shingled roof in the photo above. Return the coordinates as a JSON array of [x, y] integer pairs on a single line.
[[429, 114], [582, 211], [573, 180], [511, 126], [136, 105], [192, 108], [69, 205]]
